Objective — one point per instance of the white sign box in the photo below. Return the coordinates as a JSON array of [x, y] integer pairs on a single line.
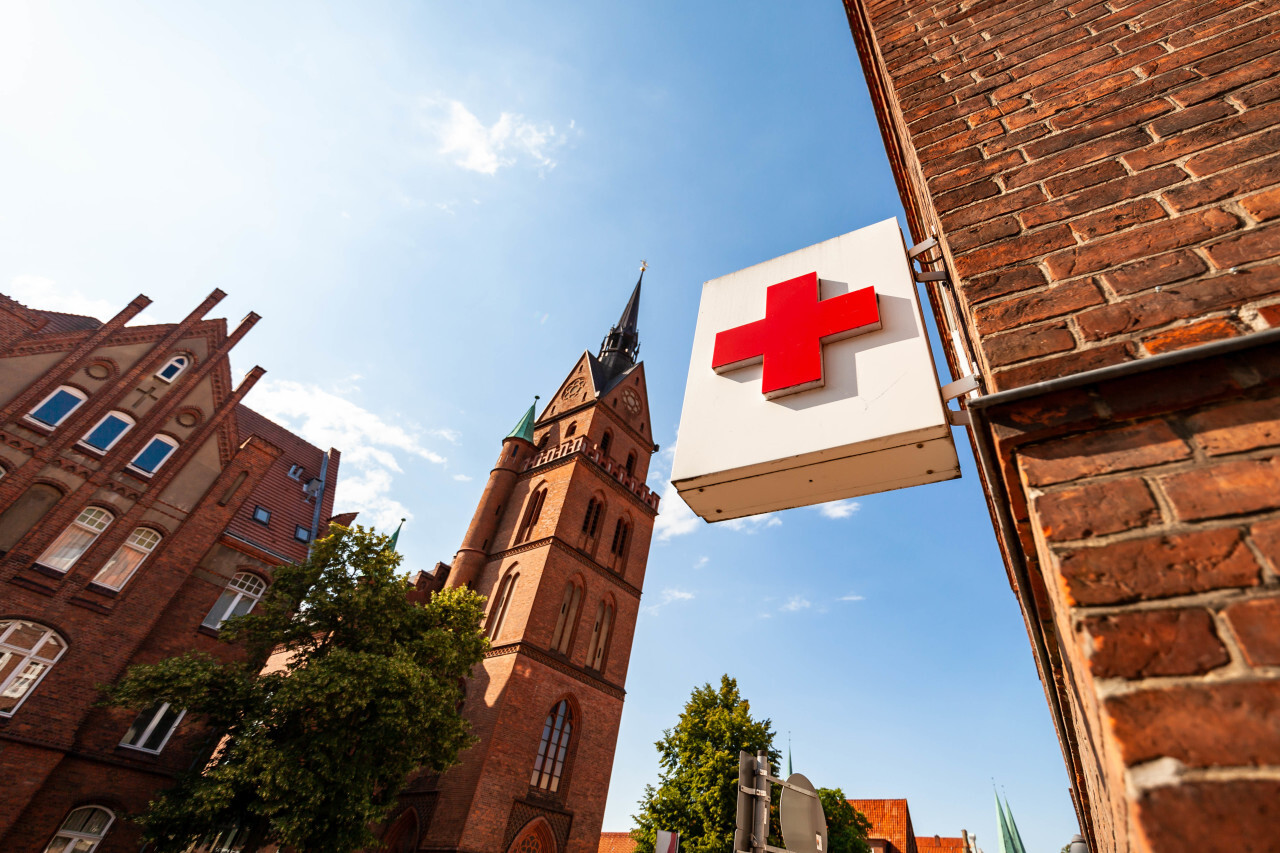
[[811, 380]]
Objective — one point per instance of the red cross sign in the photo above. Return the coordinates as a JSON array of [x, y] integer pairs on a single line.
[[797, 322]]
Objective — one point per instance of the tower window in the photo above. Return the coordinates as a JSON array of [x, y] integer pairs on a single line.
[[127, 558], [157, 451], [151, 730], [531, 515], [605, 441], [562, 639], [28, 650], [631, 464], [172, 368], [600, 637], [108, 431], [620, 532], [71, 543], [553, 748], [501, 603], [81, 831], [573, 427], [54, 409]]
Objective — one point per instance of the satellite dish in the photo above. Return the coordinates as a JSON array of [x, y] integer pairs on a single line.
[[804, 826]]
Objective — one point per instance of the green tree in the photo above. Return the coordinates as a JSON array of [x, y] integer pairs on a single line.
[[310, 754], [847, 827], [697, 792]]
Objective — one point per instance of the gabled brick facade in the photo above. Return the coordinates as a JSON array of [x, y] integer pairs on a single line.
[[1103, 181], [559, 544], [57, 751]]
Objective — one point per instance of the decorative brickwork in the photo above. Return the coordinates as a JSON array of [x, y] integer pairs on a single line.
[[1102, 177]]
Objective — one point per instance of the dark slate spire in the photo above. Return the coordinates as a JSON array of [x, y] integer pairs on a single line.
[[621, 346]]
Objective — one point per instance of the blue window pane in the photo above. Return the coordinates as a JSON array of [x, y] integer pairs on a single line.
[[57, 407], [153, 456], [105, 433]]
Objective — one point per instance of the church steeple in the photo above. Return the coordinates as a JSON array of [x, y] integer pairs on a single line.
[[620, 347]]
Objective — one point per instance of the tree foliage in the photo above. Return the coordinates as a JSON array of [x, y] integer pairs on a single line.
[[847, 827], [697, 792], [316, 750]]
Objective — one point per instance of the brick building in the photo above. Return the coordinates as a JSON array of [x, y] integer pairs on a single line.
[[141, 504], [1102, 180], [559, 544], [891, 830]]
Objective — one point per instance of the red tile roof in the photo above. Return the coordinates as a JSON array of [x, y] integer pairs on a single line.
[[616, 842], [280, 494], [890, 820], [59, 322], [939, 844]]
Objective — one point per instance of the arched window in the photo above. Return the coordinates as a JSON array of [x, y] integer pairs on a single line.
[[71, 543], [573, 427], [54, 409], [531, 515], [563, 636], [82, 830], [242, 593], [600, 637], [158, 449], [631, 464], [542, 442], [556, 732], [125, 561], [108, 431], [27, 651], [172, 368], [501, 603], [620, 532], [605, 441]]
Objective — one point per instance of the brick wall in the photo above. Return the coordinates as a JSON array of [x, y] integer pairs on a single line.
[[1103, 180]]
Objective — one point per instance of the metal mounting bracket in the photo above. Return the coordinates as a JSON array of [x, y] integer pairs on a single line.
[[961, 386], [958, 418], [920, 248], [931, 275]]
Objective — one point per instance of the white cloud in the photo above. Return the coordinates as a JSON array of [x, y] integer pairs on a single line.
[[486, 149], [796, 603], [702, 561], [852, 597], [838, 509], [45, 294], [674, 516], [752, 523], [368, 443], [669, 595], [462, 478]]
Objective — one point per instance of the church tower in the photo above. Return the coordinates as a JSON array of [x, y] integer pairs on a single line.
[[558, 544]]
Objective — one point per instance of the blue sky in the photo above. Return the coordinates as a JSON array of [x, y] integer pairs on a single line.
[[436, 207]]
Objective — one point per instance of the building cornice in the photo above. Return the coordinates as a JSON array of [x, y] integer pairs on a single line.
[[547, 659]]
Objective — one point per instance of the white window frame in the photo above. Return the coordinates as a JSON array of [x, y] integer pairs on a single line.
[[130, 423], [150, 730], [75, 835], [6, 628], [83, 525], [70, 389], [241, 593], [164, 439], [186, 362], [134, 545]]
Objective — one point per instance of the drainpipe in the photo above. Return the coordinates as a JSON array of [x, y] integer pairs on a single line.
[[319, 498]]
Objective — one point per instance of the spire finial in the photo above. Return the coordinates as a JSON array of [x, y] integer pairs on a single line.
[[644, 265]]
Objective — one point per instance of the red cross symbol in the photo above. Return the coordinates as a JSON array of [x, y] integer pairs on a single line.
[[797, 322]]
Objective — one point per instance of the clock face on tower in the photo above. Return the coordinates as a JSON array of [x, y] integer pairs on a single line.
[[631, 401]]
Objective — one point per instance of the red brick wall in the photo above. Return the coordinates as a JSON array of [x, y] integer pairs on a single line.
[[1103, 179]]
